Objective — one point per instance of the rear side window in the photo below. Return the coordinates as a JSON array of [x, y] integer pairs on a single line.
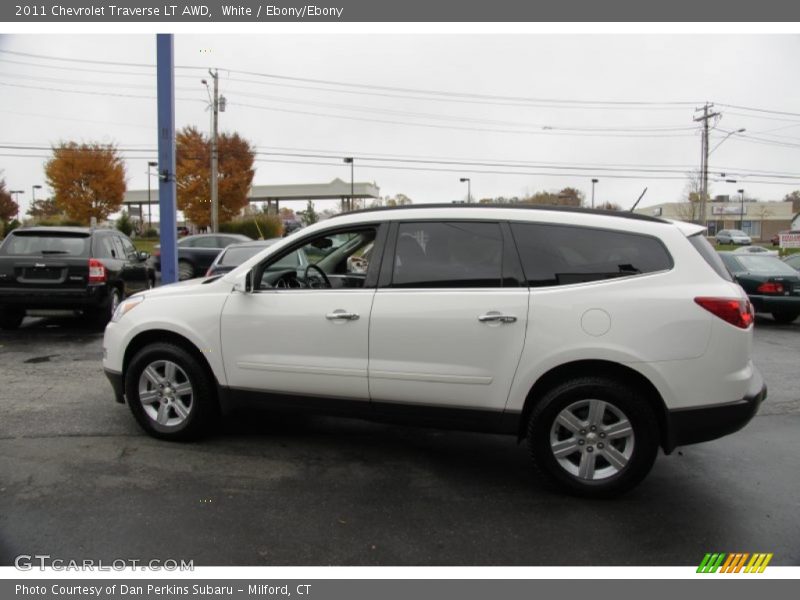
[[46, 244], [563, 254], [447, 255], [706, 250]]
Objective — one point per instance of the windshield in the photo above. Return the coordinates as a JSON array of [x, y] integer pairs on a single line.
[[765, 265], [44, 243]]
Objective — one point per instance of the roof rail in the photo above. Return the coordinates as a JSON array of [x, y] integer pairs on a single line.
[[542, 207]]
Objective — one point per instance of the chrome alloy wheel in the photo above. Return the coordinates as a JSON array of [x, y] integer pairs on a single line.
[[592, 439], [165, 393]]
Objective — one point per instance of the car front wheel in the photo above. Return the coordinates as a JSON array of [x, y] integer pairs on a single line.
[[169, 393], [593, 436]]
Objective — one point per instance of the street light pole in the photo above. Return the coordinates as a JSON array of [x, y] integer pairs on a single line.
[[469, 188], [150, 164], [349, 160], [594, 181], [15, 197], [33, 193], [741, 212]]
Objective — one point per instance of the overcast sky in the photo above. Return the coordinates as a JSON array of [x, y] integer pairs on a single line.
[[301, 117]]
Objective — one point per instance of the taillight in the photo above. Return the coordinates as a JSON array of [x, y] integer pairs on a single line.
[[735, 311], [97, 271], [770, 287]]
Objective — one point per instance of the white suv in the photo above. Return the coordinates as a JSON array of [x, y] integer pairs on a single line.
[[599, 337]]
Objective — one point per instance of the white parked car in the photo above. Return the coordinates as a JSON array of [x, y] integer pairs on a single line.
[[598, 338], [733, 236]]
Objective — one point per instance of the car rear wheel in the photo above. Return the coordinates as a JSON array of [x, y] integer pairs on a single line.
[[169, 393], [11, 318], [785, 317], [102, 315], [185, 270], [593, 436]]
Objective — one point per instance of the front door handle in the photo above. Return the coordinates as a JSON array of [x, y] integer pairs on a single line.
[[342, 315], [496, 317]]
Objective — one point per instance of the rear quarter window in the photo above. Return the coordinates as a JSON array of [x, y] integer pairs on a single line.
[[706, 250], [555, 255]]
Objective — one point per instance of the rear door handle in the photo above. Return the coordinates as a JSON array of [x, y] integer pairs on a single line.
[[496, 317], [342, 315]]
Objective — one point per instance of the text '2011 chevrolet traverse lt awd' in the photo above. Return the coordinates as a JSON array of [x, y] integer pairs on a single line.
[[598, 337]]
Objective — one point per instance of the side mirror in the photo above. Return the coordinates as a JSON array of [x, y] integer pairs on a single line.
[[244, 283], [144, 255]]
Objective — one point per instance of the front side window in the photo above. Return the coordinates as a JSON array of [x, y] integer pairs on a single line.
[[448, 255], [561, 254], [335, 260]]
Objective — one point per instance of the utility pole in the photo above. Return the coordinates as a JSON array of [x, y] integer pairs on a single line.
[[594, 181], [214, 153], [705, 118], [349, 160]]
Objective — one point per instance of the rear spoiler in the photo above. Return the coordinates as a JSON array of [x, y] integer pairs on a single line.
[[688, 229]]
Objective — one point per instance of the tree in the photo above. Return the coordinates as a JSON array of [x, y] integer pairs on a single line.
[[309, 216], [794, 198], [193, 175], [8, 208], [88, 180], [124, 223], [398, 200], [43, 208], [609, 206]]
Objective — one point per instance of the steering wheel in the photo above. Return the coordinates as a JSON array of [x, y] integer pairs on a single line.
[[323, 277]]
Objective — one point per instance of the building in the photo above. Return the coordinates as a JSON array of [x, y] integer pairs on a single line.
[[140, 203], [760, 220]]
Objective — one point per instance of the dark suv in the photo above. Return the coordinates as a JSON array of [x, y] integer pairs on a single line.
[[71, 268]]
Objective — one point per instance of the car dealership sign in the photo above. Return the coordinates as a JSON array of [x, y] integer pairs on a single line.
[[790, 240]]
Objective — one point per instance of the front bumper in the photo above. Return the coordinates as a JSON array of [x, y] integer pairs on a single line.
[[116, 383], [701, 424]]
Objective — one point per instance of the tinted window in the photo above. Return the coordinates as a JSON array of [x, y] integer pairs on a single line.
[[207, 241], [128, 247], [560, 254], [706, 250], [46, 243], [104, 247], [448, 255]]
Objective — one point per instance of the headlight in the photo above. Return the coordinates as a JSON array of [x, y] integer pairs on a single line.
[[126, 306]]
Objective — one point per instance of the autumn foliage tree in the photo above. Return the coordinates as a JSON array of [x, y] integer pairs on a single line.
[[8, 208], [193, 175], [88, 180]]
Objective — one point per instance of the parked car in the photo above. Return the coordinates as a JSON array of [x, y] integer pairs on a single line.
[[772, 285], [597, 337], [290, 226], [70, 268], [235, 254], [733, 236], [793, 260], [776, 239], [759, 250], [197, 252]]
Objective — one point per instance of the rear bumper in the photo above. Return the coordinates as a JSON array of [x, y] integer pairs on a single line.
[[55, 298], [775, 303], [116, 384], [701, 424]]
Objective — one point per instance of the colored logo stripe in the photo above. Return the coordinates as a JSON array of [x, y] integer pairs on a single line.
[[733, 563]]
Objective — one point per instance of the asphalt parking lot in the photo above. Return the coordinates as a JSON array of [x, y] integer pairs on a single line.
[[79, 480]]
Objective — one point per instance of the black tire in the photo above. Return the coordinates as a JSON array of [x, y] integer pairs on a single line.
[[200, 406], [577, 395], [11, 318], [784, 318], [102, 315], [185, 270]]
